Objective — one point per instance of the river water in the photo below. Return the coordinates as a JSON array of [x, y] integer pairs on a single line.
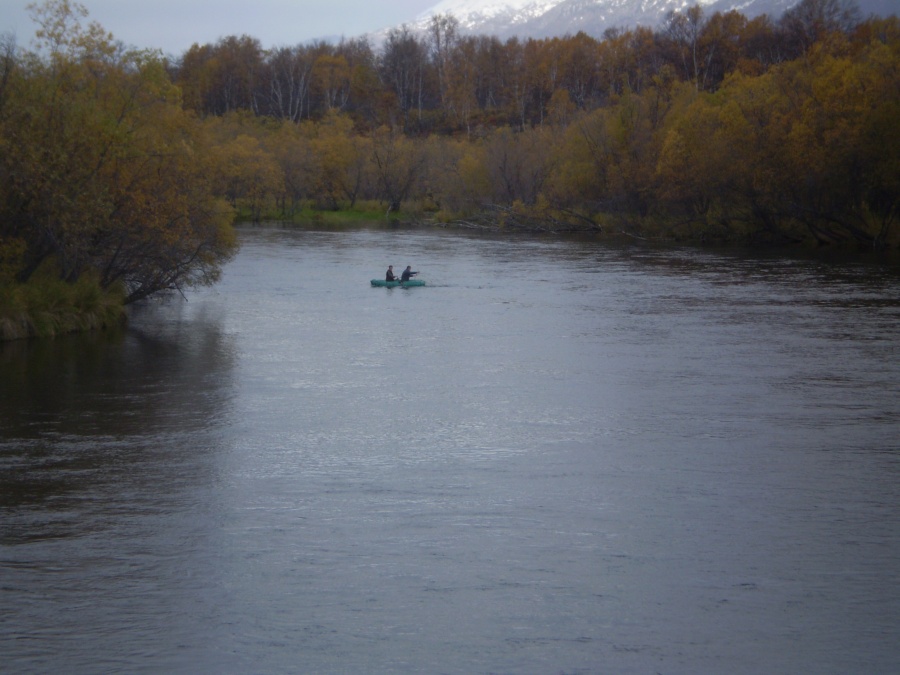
[[557, 457]]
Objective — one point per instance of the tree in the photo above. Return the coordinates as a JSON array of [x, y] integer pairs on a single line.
[[443, 35], [812, 21], [611, 153], [402, 68], [721, 43], [560, 108], [512, 81], [224, 77], [101, 171], [841, 151], [696, 166], [7, 65], [364, 87], [397, 164], [519, 164], [683, 29], [291, 147], [339, 174], [289, 72], [818, 146], [461, 84], [247, 174], [577, 68], [462, 183], [331, 77], [194, 74]]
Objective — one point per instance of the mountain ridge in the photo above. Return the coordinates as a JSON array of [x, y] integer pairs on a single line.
[[555, 18]]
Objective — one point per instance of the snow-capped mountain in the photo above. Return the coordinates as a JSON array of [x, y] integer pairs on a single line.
[[547, 18], [492, 16]]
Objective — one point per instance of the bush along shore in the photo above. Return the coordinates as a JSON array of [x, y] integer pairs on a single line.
[[49, 307]]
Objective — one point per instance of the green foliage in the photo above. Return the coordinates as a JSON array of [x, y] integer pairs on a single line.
[[48, 306]]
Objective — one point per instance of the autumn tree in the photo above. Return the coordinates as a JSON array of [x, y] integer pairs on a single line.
[[442, 38], [246, 174], [290, 146], [331, 78], [402, 67], [100, 170], [498, 68], [396, 163], [462, 84], [805, 150], [697, 167], [683, 29], [286, 77], [364, 86], [224, 77], [340, 161], [463, 184], [194, 74], [812, 21], [841, 151], [721, 47], [519, 164]]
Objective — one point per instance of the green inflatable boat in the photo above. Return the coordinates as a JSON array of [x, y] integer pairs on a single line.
[[391, 284]]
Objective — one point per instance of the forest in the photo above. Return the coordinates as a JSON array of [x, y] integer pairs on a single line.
[[121, 170], [710, 127]]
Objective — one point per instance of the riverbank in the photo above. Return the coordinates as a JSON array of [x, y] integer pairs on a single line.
[[47, 308], [306, 214], [542, 219]]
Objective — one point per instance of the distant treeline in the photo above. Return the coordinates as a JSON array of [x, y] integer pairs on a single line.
[[445, 82], [713, 126], [120, 170]]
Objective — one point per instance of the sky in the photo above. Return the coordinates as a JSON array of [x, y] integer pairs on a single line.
[[174, 25]]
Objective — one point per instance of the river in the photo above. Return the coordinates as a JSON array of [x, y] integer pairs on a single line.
[[556, 457]]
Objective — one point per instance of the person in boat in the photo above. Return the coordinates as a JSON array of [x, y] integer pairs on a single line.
[[407, 274], [389, 276]]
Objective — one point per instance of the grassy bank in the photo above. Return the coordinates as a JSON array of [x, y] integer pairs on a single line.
[[361, 213], [48, 307]]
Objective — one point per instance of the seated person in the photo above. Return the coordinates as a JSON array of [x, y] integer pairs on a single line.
[[407, 273], [390, 274]]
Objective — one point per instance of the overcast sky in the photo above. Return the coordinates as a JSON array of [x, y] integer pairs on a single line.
[[174, 25]]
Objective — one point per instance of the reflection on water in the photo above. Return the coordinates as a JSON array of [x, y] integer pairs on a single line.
[[556, 457], [120, 382], [84, 415]]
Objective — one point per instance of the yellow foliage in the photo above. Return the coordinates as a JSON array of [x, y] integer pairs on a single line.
[[103, 171]]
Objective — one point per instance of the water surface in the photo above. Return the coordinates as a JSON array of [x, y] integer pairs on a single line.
[[557, 457]]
